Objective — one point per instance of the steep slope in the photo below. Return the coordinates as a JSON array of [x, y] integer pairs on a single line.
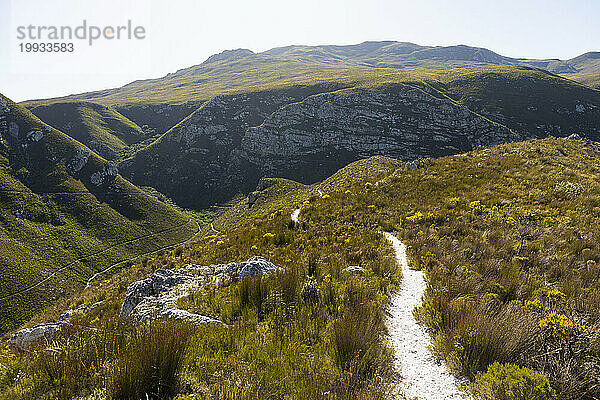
[[199, 161], [102, 129], [307, 133], [65, 213], [590, 79]]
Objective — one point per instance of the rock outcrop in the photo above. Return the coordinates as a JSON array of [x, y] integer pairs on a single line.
[[354, 269], [157, 295], [108, 173], [39, 334], [78, 161], [358, 123], [45, 333]]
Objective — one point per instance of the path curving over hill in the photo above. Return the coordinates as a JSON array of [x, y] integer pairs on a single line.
[[421, 374]]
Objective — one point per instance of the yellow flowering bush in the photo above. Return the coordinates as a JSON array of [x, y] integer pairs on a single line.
[[477, 207], [416, 217], [560, 324], [533, 305]]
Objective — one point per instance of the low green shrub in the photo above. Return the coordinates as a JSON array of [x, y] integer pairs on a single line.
[[511, 382]]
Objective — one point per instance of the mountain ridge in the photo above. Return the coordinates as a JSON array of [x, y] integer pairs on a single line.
[[371, 54]]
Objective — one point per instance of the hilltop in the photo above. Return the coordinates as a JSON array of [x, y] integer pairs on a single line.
[[238, 70]]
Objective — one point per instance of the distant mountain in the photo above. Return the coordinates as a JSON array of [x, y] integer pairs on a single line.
[[410, 55], [65, 214], [587, 63], [307, 133], [301, 112], [232, 70]]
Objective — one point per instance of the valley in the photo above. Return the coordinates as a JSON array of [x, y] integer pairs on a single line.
[[372, 221]]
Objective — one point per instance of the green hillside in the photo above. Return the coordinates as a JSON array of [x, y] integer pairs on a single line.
[[242, 70], [102, 129], [505, 236], [65, 214], [590, 79]]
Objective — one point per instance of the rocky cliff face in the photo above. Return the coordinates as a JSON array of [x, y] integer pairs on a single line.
[[200, 161], [225, 146], [331, 129]]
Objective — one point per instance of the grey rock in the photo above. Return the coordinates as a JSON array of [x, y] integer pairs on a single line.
[[70, 313], [78, 161], [157, 295], [354, 269], [110, 171], [257, 266], [35, 136], [78, 311], [412, 165], [39, 334], [183, 315], [252, 197]]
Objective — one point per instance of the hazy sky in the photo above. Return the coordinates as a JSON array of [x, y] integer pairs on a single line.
[[181, 33]]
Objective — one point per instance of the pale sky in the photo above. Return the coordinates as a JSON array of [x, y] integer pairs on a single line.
[[182, 33]]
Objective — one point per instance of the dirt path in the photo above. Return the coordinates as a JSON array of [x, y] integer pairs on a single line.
[[421, 374]]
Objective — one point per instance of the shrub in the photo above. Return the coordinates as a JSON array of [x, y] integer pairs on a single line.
[[357, 341], [150, 364], [252, 293], [511, 382]]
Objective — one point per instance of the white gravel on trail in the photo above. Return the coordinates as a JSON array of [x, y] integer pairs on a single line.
[[295, 215], [421, 375]]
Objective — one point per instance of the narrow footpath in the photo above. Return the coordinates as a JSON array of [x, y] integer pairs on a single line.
[[421, 374]]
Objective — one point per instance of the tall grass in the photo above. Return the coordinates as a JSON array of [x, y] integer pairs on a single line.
[[150, 363]]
